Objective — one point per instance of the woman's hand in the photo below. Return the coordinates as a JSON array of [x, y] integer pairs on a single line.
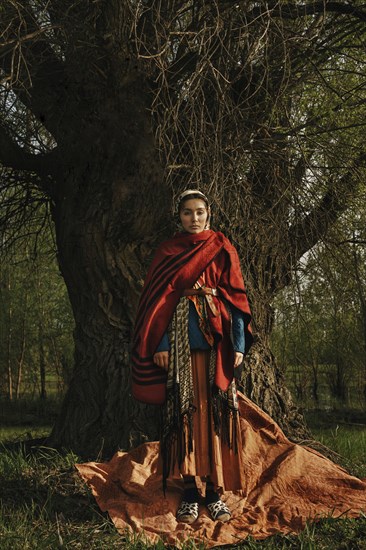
[[238, 359], [161, 358]]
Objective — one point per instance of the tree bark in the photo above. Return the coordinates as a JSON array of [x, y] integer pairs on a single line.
[[98, 414]]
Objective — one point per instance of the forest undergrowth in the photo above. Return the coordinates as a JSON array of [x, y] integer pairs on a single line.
[[44, 504]]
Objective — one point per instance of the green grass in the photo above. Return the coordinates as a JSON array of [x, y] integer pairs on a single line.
[[19, 433], [349, 443], [44, 504], [345, 433], [326, 534]]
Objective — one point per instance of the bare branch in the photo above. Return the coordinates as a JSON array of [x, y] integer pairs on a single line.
[[25, 209], [13, 156], [346, 241], [295, 10], [309, 230], [29, 64]]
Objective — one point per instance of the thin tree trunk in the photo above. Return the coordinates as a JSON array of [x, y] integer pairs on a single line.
[[57, 362], [42, 362], [9, 339], [22, 349], [41, 350], [362, 300], [315, 384]]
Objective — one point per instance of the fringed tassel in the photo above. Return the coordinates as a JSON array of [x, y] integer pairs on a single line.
[[176, 439], [215, 407], [169, 433], [188, 422], [235, 431], [167, 441], [225, 419]]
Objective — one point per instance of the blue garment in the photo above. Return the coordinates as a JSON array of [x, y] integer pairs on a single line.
[[196, 337]]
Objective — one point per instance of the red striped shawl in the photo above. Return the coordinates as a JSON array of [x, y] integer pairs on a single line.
[[176, 266]]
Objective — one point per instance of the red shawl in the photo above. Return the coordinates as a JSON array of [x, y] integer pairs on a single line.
[[176, 266]]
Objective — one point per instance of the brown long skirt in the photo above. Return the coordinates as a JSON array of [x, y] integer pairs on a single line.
[[211, 456]]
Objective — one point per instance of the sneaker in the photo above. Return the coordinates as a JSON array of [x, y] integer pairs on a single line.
[[219, 511], [187, 512]]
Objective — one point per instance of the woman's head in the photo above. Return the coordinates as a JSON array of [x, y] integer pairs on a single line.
[[194, 211]]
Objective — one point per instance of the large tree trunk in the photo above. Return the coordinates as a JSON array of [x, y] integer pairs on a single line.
[[98, 414], [103, 253], [107, 229]]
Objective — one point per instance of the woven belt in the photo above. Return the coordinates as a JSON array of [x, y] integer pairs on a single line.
[[208, 293], [203, 291]]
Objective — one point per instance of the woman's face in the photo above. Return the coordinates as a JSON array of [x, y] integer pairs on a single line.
[[193, 215]]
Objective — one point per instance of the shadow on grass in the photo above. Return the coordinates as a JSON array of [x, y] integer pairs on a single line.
[[18, 494], [42, 478]]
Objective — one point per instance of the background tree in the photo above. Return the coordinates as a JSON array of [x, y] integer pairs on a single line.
[[40, 325], [129, 102], [319, 335]]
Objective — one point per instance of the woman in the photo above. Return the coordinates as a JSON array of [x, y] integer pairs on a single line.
[[192, 330]]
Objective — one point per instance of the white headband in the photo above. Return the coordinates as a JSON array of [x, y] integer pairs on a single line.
[[190, 192]]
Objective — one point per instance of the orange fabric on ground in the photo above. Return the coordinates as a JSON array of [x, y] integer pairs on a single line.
[[210, 456], [285, 484]]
